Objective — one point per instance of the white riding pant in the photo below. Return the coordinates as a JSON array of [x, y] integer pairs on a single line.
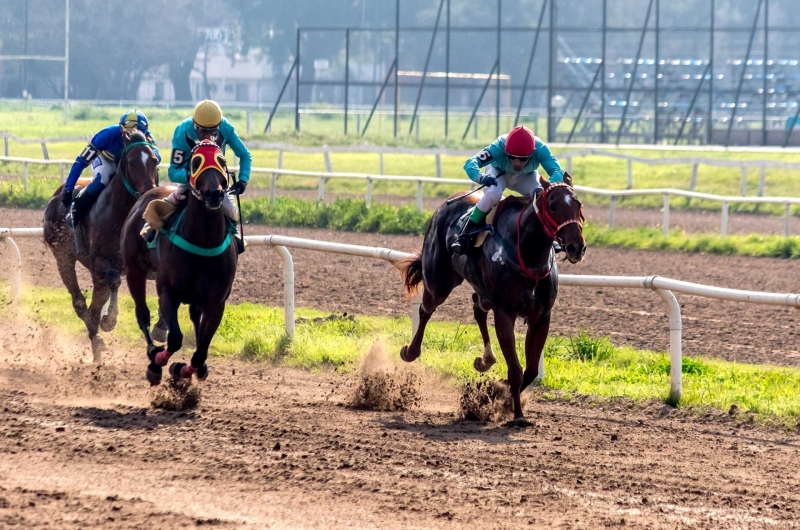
[[103, 169], [525, 184], [228, 203]]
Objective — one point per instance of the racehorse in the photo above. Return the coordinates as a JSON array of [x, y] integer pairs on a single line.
[[513, 273], [194, 262], [98, 236]]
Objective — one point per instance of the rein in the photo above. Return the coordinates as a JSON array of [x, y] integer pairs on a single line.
[[191, 248], [124, 172], [551, 228]]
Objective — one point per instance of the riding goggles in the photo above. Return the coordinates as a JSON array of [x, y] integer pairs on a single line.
[[520, 158]]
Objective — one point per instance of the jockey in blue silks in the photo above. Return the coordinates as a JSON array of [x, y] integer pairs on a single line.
[[103, 153]]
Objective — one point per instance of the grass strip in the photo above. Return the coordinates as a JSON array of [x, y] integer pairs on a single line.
[[580, 364]]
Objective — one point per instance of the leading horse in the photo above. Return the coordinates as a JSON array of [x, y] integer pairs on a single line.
[[513, 273], [99, 236], [194, 263]]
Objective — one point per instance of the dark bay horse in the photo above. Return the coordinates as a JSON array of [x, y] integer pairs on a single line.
[[100, 233], [194, 263], [514, 273]]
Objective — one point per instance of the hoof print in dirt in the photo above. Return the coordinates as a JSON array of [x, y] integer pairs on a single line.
[[519, 423], [486, 400]]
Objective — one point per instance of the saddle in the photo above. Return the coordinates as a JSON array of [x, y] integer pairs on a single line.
[[489, 227]]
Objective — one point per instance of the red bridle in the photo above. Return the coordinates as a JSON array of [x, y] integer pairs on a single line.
[[551, 226]]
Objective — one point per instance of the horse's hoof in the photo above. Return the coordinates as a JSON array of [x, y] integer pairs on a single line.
[[153, 374], [182, 371], [519, 423], [159, 334], [405, 355], [481, 366], [108, 324], [202, 373]]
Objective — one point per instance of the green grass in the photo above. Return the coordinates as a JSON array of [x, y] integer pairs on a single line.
[[581, 364], [29, 121]]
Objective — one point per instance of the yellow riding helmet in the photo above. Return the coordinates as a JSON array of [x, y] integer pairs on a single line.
[[207, 114]]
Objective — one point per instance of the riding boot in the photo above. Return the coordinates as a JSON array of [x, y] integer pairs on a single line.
[[83, 201], [465, 239]]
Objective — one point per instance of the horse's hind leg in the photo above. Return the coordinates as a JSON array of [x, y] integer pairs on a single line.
[[483, 364], [206, 328], [100, 295], [160, 329], [429, 304], [66, 269]]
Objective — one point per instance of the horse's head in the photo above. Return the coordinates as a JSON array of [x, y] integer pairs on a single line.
[[208, 175], [139, 164], [560, 212]]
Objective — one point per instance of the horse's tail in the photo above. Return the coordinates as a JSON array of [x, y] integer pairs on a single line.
[[411, 272], [411, 267]]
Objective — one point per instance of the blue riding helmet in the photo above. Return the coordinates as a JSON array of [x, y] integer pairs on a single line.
[[134, 119]]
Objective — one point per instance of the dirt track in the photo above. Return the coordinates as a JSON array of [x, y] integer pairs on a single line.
[[733, 331], [277, 448]]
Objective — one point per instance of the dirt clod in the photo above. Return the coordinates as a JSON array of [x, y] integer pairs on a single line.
[[486, 400], [382, 386], [176, 395]]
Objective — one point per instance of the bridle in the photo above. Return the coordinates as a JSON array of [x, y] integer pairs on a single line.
[[123, 167], [550, 225], [211, 157]]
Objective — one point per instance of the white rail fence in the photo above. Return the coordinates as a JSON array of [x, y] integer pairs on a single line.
[[567, 156], [664, 287], [369, 179]]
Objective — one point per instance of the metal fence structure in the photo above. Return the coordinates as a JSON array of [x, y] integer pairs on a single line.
[[632, 75]]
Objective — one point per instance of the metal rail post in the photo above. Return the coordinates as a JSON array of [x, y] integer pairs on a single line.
[[603, 80], [346, 75], [297, 86], [655, 95], [764, 73], [710, 125]]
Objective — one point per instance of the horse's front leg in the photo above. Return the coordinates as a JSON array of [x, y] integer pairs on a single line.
[[484, 363], [109, 321], [100, 295], [504, 328], [206, 328], [538, 329], [168, 309]]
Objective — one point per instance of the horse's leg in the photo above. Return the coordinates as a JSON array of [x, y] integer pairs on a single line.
[[66, 269], [504, 327], [534, 347], [195, 312], [160, 329], [169, 309], [206, 328], [100, 295], [137, 285], [483, 364], [429, 304], [109, 321]]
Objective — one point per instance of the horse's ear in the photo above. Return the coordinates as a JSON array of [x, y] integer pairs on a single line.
[[545, 183], [567, 179], [191, 142]]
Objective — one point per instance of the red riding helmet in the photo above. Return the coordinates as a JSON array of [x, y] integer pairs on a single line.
[[520, 141]]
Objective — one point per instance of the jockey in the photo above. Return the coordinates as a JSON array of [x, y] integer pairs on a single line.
[[206, 123], [513, 162], [103, 153]]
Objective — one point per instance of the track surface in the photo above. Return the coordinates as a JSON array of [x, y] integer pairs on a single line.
[[733, 331], [82, 447], [277, 448]]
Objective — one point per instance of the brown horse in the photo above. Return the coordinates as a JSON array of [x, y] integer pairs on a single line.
[[194, 263], [99, 236], [514, 273]]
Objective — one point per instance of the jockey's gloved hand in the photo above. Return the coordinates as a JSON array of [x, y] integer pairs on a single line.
[[66, 199], [238, 187], [489, 181]]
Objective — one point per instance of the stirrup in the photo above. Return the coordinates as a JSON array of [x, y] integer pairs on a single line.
[[148, 233]]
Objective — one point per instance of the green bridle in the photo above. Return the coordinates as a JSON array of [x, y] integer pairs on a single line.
[[124, 174]]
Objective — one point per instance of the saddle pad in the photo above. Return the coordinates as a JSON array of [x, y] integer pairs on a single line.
[[83, 182], [489, 221]]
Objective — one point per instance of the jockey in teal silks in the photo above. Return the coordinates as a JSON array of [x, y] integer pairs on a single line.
[[103, 153], [206, 123], [511, 162]]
